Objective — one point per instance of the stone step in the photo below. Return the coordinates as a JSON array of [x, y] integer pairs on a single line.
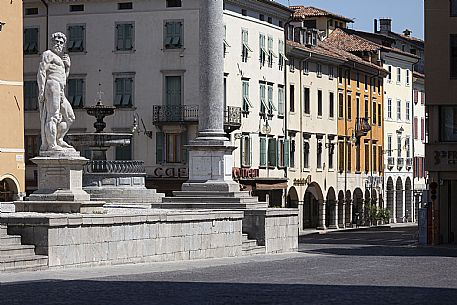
[[6, 240], [208, 199], [23, 263], [254, 251], [3, 230], [16, 250], [206, 205], [240, 194], [248, 244]]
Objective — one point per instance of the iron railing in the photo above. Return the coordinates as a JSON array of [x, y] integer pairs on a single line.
[[390, 161], [409, 162], [400, 162], [232, 118], [115, 167], [175, 114]]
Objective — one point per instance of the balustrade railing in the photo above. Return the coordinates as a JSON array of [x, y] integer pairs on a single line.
[[115, 167], [232, 116]]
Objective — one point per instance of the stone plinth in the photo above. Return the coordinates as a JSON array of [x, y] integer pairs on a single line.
[[59, 185]]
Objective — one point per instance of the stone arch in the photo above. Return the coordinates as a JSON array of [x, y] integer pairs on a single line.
[[348, 211], [312, 202], [399, 204], [292, 198], [9, 188], [341, 206], [390, 196], [357, 206], [408, 200], [331, 209]]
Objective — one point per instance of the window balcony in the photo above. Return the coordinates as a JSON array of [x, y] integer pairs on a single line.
[[400, 162], [390, 162], [232, 118], [175, 114], [409, 163], [362, 127]]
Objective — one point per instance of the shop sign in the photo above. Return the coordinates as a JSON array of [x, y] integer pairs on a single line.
[[238, 172], [169, 172], [302, 181], [446, 157]]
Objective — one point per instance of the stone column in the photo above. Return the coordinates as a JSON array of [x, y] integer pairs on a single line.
[[322, 209], [334, 220], [350, 210], [343, 214]]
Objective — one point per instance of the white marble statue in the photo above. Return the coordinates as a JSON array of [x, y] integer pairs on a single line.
[[56, 114]]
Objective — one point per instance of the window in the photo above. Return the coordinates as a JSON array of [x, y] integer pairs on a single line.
[[124, 36], [408, 148], [290, 32], [319, 153], [331, 105], [375, 159], [174, 35], [123, 152], [246, 101], [453, 8], [32, 145], [331, 73], [416, 96], [357, 158], [306, 100], [170, 147], [379, 85], [367, 108], [379, 114], [389, 108], [281, 105], [270, 20], [246, 150], [348, 78], [173, 3], [271, 54], [389, 145], [415, 127], [453, 54], [75, 93], [408, 111], [31, 11], [422, 129], [263, 101], [319, 102], [340, 104], [331, 150], [340, 156], [292, 98], [123, 92], [245, 49], [173, 96], [125, 6], [272, 152], [389, 75], [448, 123], [76, 38], [357, 78], [380, 156], [244, 12], [76, 7], [30, 95], [366, 83], [373, 116], [319, 70], [282, 56], [340, 76], [398, 146], [407, 77], [283, 152], [349, 106], [271, 106], [398, 110], [373, 85], [263, 152], [262, 50], [31, 40], [305, 67], [292, 152], [367, 156], [348, 156], [261, 17], [305, 151], [398, 75]]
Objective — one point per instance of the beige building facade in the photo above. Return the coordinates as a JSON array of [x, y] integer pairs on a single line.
[[12, 168]]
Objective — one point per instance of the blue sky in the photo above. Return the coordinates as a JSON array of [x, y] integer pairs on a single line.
[[404, 13]]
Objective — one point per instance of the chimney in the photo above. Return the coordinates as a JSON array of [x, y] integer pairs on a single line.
[[385, 25], [375, 25], [407, 32]]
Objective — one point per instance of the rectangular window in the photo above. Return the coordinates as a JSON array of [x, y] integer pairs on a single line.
[[123, 92], [373, 85], [305, 67], [367, 108], [125, 35], [357, 158], [173, 95], [263, 100], [319, 154], [292, 98], [305, 152], [408, 148], [281, 101], [262, 50], [375, 159], [357, 107], [366, 83], [331, 73], [306, 100], [331, 150], [349, 106], [415, 127], [174, 35], [453, 54], [453, 8], [398, 75], [32, 145], [272, 152], [246, 101], [173, 148], [407, 77], [263, 152], [389, 108], [245, 49], [77, 8], [379, 115], [373, 116], [246, 150], [398, 110], [408, 111], [271, 53], [281, 153], [76, 38], [380, 161], [340, 104], [416, 96], [173, 3], [125, 6], [319, 102], [389, 75], [271, 106], [30, 95], [357, 79], [379, 86], [389, 145], [292, 152], [367, 156], [31, 40], [341, 156], [348, 156], [422, 129], [31, 11], [75, 92], [319, 70], [340, 76], [282, 56], [399, 146], [331, 105]]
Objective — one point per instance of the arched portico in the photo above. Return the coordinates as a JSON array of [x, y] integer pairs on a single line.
[[341, 209], [313, 207], [292, 198], [390, 197], [9, 188], [408, 201], [331, 215], [399, 203], [357, 210]]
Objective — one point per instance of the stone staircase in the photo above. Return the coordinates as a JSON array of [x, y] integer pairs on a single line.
[[17, 257], [250, 247]]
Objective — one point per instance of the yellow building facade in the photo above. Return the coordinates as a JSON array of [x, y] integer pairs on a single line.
[[12, 166]]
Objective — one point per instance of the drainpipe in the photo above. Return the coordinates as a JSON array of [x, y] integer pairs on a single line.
[[47, 22]]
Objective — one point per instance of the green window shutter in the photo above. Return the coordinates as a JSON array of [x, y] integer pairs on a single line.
[[128, 36], [263, 159], [120, 36], [286, 152], [275, 152], [160, 145]]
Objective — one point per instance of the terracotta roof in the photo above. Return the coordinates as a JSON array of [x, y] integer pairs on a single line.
[[316, 50], [410, 38], [310, 11], [351, 43]]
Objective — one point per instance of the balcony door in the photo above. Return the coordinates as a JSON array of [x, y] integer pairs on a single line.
[[173, 98]]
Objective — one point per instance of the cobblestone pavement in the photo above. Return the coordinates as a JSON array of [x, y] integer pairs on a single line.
[[382, 266]]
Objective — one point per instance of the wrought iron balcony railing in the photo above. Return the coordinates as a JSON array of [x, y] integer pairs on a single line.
[[390, 161], [409, 162], [400, 162], [175, 114], [232, 118]]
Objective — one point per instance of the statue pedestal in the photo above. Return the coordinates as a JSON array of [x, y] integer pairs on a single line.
[[59, 186]]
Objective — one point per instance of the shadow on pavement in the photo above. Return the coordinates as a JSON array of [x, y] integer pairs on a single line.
[[121, 292]]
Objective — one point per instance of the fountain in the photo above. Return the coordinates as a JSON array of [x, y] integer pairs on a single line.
[[120, 183]]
